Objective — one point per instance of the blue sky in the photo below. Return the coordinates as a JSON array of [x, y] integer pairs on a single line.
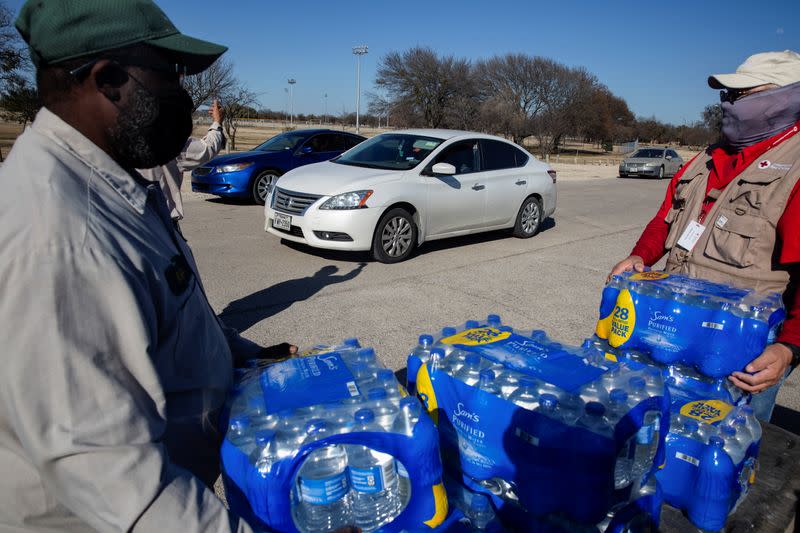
[[656, 56]]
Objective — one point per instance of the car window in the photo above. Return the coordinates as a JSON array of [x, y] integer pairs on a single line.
[[283, 141], [326, 142], [350, 141], [463, 155], [497, 155], [649, 153], [390, 151], [672, 153]]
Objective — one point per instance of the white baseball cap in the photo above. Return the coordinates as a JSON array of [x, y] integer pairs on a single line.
[[780, 68]]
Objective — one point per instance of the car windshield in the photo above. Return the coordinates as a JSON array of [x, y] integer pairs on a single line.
[[284, 141], [650, 153], [390, 151]]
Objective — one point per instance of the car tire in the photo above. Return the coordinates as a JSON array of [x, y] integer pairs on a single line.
[[661, 173], [395, 236], [262, 184], [529, 218]]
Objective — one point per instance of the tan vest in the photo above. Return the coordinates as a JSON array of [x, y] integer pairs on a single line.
[[739, 243]]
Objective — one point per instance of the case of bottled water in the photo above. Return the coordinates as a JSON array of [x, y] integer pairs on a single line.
[[328, 440], [556, 429], [712, 444], [715, 328]]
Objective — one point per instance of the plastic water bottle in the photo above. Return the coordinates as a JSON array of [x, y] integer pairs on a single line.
[[733, 446], [548, 406], [572, 407], [594, 419], [690, 429], [423, 348], [617, 409], [239, 433], [373, 478], [367, 357], [385, 379], [594, 392], [436, 359], [472, 324], [647, 436], [407, 418], [480, 512], [470, 371], [488, 383], [494, 321], [384, 409], [363, 374], [507, 381], [753, 425], [454, 361], [446, 332], [526, 395], [739, 423], [712, 487], [322, 484], [266, 452]]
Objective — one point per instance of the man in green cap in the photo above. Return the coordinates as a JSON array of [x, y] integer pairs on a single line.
[[114, 364]]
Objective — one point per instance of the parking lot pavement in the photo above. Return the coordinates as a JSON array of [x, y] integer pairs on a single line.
[[277, 292]]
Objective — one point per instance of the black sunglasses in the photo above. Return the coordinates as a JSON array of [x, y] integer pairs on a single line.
[[731, 95], [173, 72]]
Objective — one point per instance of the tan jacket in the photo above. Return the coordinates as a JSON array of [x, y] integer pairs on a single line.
[[739, 242]]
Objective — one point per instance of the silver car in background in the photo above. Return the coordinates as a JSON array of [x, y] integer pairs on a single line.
[[652, 163]]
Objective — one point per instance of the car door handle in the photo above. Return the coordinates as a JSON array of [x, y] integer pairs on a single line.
[[521, 182], [478, 187]]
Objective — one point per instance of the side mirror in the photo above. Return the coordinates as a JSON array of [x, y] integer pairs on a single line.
[[305, 150], [443, 168]]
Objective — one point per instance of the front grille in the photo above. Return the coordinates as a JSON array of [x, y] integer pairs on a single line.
[[294, 230], [203, 171], [292, 202]]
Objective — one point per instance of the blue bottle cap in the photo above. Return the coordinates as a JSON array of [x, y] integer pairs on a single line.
[[315, 425], [536, 333], [487, 374], [449, 331], [746, 409], [472, 359], [637, 382], [376, 394], [595, 408], [472, 324], [691, 425], [493, 319], [408, 401], [264, 436], [739, 420], [438, 352], [385, 374], [364, 416], [727, 431], [352, 342], [716, 441], [548, 401], [240, 423], [366, 354], [425, 339], [618, 396]]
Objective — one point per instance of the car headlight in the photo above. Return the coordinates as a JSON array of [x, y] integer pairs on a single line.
[[236, 167], [348, 200]]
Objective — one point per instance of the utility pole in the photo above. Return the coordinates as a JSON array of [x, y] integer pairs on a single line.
[[359, 51]]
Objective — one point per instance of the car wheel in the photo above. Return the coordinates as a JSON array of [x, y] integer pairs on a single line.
[[661, 173], [262, 184], [529, 218], [395, 237]]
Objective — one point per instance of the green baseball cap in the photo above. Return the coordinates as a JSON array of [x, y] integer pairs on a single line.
[[60, 30]]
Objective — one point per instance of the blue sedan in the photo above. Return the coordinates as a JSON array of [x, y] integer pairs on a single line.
[[252, 174]]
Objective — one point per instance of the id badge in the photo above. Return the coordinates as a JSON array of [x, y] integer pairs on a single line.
[[691, 235]]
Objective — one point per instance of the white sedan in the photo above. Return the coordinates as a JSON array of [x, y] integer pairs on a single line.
[[397, 190]]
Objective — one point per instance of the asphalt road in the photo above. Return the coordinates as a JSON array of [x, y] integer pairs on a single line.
[[275, 292]]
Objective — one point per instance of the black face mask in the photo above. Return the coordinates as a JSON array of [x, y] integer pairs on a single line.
[[153, 129]]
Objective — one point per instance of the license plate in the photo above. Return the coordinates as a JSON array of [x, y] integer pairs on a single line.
[[282, 221]]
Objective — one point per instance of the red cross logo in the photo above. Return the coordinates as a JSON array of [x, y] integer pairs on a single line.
[[764, 164]]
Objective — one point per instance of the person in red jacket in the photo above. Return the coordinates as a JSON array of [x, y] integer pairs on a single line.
[[731, 213]]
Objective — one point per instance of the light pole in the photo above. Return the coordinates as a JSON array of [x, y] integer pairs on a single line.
[[291, 82], [359, 51], [325, 116]]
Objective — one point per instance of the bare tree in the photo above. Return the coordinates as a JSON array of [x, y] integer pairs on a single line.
[[12, 50], [216, 80], [19, 101], [422, 83], [238, 103]]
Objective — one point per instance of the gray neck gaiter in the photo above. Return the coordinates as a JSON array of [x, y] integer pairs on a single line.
[[760, 116]]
